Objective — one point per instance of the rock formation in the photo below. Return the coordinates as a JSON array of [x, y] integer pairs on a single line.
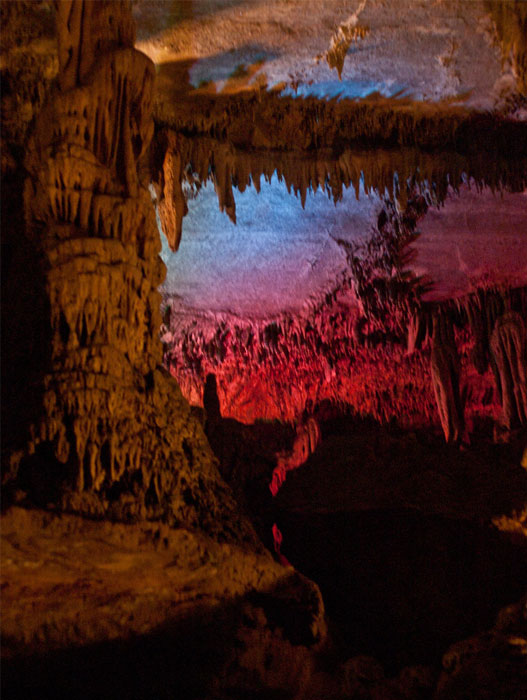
[[306, 440], [171, 204], [265, 119], [346, 33], [185, 598], [508, 347], [402, 172], [331, 353], [110, 432], [445, 371], [510, 19], [482, 314]]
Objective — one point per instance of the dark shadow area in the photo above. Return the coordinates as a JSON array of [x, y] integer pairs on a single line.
[[26, 335], [176, 73], [178, 661], [198, 655], [400, 585], [363, 465], [247, 458]]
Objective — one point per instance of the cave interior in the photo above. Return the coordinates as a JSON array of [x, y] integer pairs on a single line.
[[264, 349]]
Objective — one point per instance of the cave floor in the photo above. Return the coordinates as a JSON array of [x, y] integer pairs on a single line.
[[376, 510], [99, 609]]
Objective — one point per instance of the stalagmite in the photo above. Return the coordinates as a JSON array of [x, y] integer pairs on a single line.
[[445, 370], [109, 413], [508, 346], [211, 402]]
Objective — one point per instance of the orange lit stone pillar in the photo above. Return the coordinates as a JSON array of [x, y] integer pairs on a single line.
[[115, 434]]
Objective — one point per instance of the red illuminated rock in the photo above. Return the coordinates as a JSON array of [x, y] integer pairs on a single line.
[[508, 345], [445, 370]]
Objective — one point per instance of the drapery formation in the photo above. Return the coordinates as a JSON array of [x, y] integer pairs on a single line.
[[115, 435]]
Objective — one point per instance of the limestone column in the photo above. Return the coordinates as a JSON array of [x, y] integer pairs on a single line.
[[115, 436]]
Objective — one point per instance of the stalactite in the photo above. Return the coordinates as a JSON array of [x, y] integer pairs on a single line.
[[172, 206], [400, 172], [309, 124], [306, 441], [445, 371], [508, 346], [222, 175], [269, 368], [345, 35]]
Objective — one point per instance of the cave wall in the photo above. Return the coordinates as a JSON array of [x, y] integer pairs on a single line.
[[356, 344], [370, 346]]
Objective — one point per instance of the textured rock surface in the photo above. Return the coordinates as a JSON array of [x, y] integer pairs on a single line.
[[475, 238], [431, 50], [365, 343], [112, 436], [170, 611], [184, 601], [508, 347], [445, 371], [331, 165], [491, 664]]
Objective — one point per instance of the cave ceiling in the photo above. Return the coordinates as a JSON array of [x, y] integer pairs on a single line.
[[431, 50], [294, 123]]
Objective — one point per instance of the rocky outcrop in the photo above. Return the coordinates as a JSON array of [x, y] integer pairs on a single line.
[[490, 664], [172, 613], [102, 430]]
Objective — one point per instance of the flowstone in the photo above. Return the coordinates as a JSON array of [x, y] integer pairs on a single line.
[[113, 435]]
